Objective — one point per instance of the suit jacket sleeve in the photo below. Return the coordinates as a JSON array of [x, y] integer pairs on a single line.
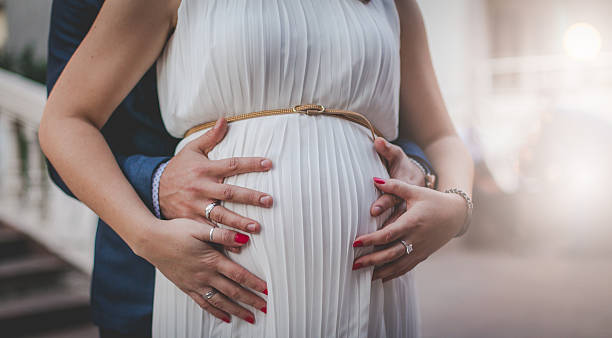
[[413, 150]]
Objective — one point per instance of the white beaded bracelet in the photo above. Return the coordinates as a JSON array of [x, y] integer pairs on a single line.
[[470, 207]]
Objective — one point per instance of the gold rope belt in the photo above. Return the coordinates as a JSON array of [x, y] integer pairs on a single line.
[[308, 109]]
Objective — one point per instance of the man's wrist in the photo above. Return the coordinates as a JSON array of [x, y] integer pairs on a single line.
[[155, 189], [428, 175], [413, 151]]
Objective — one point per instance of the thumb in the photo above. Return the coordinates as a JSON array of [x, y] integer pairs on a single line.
[[390, 152], [205, 143]]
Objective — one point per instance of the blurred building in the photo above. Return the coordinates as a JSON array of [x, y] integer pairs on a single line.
[[25, 24]]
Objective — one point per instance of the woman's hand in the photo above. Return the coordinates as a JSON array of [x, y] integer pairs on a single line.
[[431, 219], [179, 249], [191, 181]]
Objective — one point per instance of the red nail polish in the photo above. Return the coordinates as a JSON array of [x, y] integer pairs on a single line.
[[379, 180], [356, 266], [357, 244], [226, 320], [251, 320], [240, 238], [264, 309], [265, 292]]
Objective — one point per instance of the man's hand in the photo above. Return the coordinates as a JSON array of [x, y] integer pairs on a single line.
[[179, 250], [191, 181]]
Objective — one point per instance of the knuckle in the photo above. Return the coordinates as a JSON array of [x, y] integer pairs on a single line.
[[234, 294], [416, 221], [227, 236], [203, 278], [210, 261], [391, 255], [387, 235], [193, 189], [228, 193], [387, 200], [239, 276], [395, 148], [233, 164], [255, 197], [218, 216]]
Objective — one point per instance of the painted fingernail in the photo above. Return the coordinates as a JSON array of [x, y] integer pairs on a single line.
[[240, 238], [251, 227], [357, 244], [251, 320], [356, 266], [266, 201], [377, 210], [264, 309], [265, 292], [266, 164], [379, 180], [227, 320]]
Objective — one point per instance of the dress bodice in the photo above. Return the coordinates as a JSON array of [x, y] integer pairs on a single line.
[[229, 57]]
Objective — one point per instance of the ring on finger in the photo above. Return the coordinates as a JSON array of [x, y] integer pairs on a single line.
[[210, 294], [210, 234], [209, 209], [407, 246]]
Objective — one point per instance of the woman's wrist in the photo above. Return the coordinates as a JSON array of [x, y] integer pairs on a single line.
[[144, 236], [467, 207]]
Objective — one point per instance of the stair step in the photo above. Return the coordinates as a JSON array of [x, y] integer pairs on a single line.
[[29, 271], [12, 243], [44, 311]]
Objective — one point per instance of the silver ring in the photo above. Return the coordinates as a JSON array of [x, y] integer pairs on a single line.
[[407, 246], [209, 209], [210, 234], [210, 294]]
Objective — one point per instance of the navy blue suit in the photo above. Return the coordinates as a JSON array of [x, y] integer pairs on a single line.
[[122, 283]]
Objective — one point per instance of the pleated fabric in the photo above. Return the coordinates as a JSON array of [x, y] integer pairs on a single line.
[[234, 56], [229, 57]]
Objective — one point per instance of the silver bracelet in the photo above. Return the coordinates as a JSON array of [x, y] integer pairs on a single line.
[[470, 207]]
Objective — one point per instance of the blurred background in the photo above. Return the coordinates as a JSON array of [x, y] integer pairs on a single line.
[[528, 84]]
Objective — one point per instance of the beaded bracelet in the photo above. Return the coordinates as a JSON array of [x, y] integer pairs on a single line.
[[470, 207]]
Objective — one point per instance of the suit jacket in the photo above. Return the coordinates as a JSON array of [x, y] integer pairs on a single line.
[[122, 283]]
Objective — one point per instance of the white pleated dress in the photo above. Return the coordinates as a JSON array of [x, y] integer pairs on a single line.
[[228, 57]]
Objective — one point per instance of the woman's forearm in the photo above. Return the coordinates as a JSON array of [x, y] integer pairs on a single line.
[[423, 115], [82, 157], [93, 83], [452, 163]]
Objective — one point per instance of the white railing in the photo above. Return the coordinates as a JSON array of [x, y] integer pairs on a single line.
[[28, 198]]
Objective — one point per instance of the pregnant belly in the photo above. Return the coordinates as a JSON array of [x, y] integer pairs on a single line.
[[321, 183]]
